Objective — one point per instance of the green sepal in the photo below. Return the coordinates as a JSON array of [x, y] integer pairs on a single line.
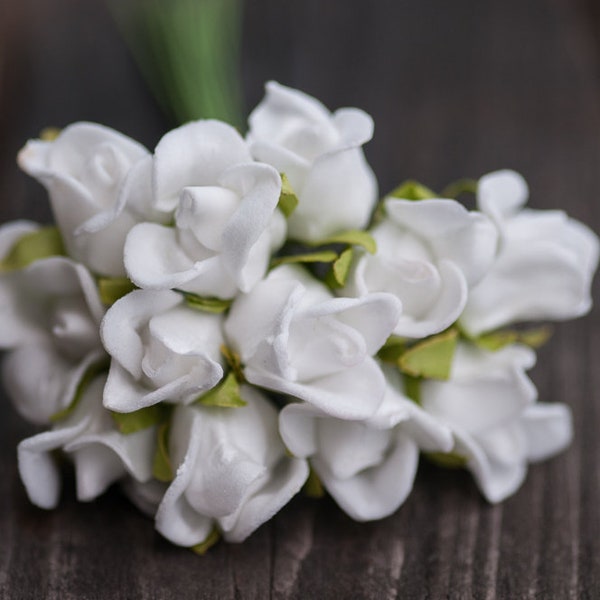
[[205, 303], [462, 186], [496, 340], [392, 350], [49, 134], [313, 488], [161, 465], [88, 376], [352, 237], [141, 419], [341, 267], [412, 388], [324, 256], [234, 361], [448, 460], [202, 548], [431, 358], [412, 190], [33, 246], [226, 394], [288, 201], [113, 288]]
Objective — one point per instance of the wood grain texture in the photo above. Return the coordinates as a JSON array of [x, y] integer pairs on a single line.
[[456, 89]]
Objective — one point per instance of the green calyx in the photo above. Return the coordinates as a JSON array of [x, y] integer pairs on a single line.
[[162, 469], [204, 303], [462, 186], [141, 419], [412, 190], [447, 460], [226, 394], [313, 488], [496, 340], [33, 246], [288, 201], [112, 289], [213, 537]]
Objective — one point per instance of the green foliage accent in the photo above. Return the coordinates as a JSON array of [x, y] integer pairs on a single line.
[[205, 303], [161, 465], [341, 267], [352, 237], [49, 134], [202, 548], [189, 54], [431, 358], [462, 186], [288, 201], [496, 340], [33, 246], [323, 256], [412, 388], [226, 394], [113, 288], [141, 419], [448, 460], [392, 350], [234, 361], [313, 488], [412, 190], [88, 376]]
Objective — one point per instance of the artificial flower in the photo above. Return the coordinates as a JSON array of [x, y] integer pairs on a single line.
[[367, 466], [83, 170], [544, 265], [322, 157], [226, 223], [161, 350], [100, 453], [489, 404], [232, 471], [429, 254], [294, 337]]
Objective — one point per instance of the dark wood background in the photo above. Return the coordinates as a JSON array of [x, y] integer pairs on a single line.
[[456, 89]]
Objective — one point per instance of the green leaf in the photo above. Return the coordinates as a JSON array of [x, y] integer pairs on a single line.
[[202, 548], [33, 246], [113, 288], [352, 237], [448, 460], [49, 134], [141, 419], [412, 190], [341, 266], [324, 256], [431, 358], [412, 388], [462, 186], [88, 376], [288, 201], [161, 465], [313, 488], [205, 304], [234, 361], [496, 340], [226, 394], [392, 350]]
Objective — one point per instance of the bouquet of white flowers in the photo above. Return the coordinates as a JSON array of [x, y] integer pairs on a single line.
[[225, 321]]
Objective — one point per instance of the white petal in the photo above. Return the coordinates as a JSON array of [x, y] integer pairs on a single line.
[[194, 154], [378, 491], [548, 430], [11, 233], [501, 194]]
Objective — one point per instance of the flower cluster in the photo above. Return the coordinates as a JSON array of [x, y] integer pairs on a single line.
[[227, 320]]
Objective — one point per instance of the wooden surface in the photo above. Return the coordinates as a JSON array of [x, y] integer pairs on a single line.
[[456, 89]]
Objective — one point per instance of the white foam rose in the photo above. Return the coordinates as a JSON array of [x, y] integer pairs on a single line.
[[545, 261], [429, 254], [162, 350], [226, 222], [232, 471], [49, 318], [84, 169], [488, 403], [321, 155], [100, 453], [367, 466], [293, 337]]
